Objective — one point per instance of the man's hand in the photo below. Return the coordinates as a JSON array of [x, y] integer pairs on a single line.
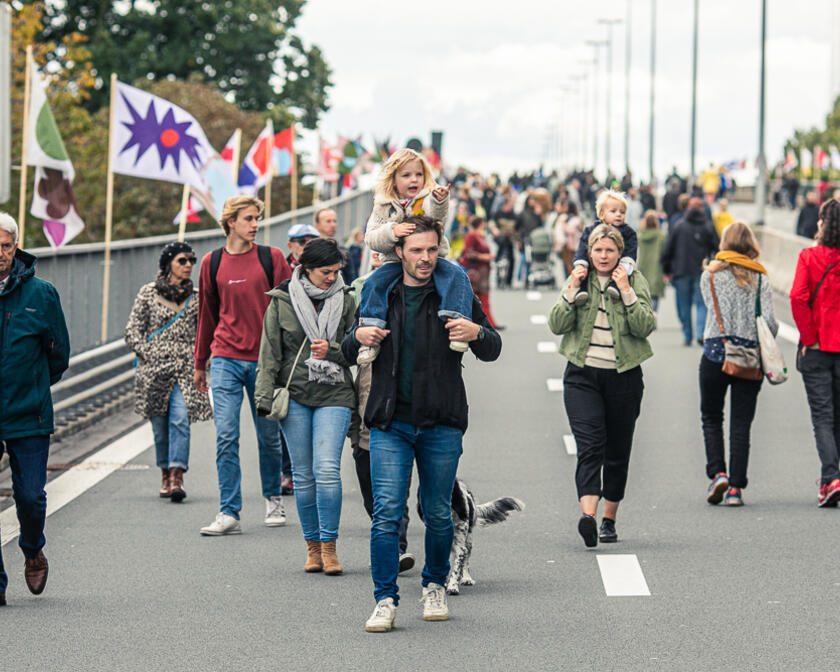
[[440, 193], [371, 336], [200, 380], [578, 275], [319, 348], [462, 330], [402, 229]]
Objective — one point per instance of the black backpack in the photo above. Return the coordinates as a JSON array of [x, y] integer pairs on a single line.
[[264, 255]]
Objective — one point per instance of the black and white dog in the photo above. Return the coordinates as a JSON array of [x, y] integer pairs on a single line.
[[465, 515]]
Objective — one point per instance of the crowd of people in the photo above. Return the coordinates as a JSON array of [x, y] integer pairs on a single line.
[[402, 301]]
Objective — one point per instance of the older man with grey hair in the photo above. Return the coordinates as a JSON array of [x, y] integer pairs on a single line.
[[34, 352]]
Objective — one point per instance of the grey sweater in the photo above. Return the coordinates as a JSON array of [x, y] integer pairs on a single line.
[[737, 306]]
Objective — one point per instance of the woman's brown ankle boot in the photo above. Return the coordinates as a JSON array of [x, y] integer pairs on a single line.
[[176, 484], [331, 563], [164, 485], [313, 557]]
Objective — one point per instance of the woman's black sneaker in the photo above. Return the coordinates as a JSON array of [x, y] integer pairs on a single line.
[[608, 535], [588, 529]]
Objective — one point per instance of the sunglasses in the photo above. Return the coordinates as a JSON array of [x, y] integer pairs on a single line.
[[183, 261], [303, 241]]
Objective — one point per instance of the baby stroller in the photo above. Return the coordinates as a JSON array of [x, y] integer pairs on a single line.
[[538, 254]]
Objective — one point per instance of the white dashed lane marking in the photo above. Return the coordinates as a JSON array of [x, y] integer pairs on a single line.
[[554, 384], [571, 445], [547, 347], [533, 296], [539, 319], [622, 576]]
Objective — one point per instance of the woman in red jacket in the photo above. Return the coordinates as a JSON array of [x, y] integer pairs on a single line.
[[815, 302], [475, 258]]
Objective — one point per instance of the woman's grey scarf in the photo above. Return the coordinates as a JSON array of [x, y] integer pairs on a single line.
[[318, 325]]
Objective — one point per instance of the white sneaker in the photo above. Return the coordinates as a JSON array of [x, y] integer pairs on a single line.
[[367, 354], [275, 514], [459, 346], [434, 603], [224, 524], [382, 618]]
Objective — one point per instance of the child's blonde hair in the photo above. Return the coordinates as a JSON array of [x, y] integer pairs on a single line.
[[386, 187], [606, 195]]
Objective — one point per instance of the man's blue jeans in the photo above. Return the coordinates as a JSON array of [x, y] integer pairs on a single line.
[[687, 289], [451, 283], [315, 436], [28, 463], [172, 433], [437, 451], [229, 379]]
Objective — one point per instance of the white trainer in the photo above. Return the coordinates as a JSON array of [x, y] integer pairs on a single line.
[[434, 603], [367, 354], [459, 346], [382, 618], [275, 514], [224, 524]]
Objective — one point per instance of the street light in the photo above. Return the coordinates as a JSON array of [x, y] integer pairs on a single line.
[[586, 115], [652, 82], [760, 191], [628, 52], [609, 23], [694, 95], [595, 44], [580, 89]]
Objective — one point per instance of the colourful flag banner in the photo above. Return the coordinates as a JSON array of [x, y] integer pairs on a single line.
[[328, 160], [805, 160], [790, 161], [284, 152], [157, 140], [53, 199], [821, 160], [835, 158], [255, 168]]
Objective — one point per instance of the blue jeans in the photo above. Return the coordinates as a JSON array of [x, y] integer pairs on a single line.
[[437, 451], [687, 289], [315, 436], [28, 462], [451, 282], [172, 433], [229, 379]]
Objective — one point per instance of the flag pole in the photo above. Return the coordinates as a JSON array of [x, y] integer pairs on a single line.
[[109, 211], [270, 168], [294, 172], [237, 148], [185, 206], [27, 87]]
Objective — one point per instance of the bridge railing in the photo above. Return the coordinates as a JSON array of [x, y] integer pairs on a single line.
[[76, 270]]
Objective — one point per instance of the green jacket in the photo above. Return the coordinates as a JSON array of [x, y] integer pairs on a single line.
[[630, 325], [34, 351], [281, 339], [651, 242]]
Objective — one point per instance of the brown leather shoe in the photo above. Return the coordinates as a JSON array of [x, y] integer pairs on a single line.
[[35, 572], [164, 484], [2, 599], [313, 557], [331, 564], [176, 484]]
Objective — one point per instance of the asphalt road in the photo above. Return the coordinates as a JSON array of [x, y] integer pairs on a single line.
[[134, 587]]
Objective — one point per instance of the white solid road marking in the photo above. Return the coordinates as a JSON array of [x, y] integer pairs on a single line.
[[547, 347], [554, 384], [539, 319], [84, 476], [571, 445], [789, 333], [622, 576], [533, 296]]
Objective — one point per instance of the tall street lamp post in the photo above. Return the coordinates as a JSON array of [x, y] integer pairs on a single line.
[[609, 23], [761, 186]]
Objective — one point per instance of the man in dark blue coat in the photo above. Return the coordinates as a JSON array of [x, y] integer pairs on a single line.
[[34, 352]]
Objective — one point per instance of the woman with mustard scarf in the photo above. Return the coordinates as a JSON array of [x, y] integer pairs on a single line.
[[738, 280]]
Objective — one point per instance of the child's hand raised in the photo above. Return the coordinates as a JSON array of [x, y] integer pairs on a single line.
[[402, 229], [440, 193]]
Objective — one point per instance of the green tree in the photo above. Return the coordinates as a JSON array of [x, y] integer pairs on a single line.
[[247, 48]]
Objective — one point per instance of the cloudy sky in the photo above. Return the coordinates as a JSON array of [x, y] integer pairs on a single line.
[[490, 75]]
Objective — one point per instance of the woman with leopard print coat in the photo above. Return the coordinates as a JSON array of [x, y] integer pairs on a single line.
[[161, 331]]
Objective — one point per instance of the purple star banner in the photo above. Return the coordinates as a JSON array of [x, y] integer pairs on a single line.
[[157, 140]]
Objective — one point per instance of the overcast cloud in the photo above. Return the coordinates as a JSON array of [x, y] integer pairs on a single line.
[[488, 73]]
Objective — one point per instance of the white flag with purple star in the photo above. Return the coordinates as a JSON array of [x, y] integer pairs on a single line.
[[158, 140]]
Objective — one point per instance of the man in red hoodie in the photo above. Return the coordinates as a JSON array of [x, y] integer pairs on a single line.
[[232, 287]]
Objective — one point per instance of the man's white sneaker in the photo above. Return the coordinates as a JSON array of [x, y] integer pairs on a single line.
[[367, 354], [434, 603], [275, 514], [382, 618], [224, 524]]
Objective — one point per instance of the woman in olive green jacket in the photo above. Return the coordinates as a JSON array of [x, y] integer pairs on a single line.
[[605, 342], [309, 315]]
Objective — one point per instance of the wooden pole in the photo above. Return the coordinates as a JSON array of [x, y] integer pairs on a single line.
[[270, 167], [27, 89], [294, 174], [237, 149], [109, 212], [185, 206]]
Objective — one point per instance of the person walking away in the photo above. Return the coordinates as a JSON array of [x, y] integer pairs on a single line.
[[309, 314], [651, 242], [722, 218], [232, 288], [689, 243], [741, 287], [161, 331], [806, 223], [34, 352], [605, 344], [416, 413], [476, 259], [815, 303]]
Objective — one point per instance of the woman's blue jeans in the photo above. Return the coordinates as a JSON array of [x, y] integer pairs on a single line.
[[315, 436], [451, 282], [687, 291], [437, 451], [230, 380], [172, 433]]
